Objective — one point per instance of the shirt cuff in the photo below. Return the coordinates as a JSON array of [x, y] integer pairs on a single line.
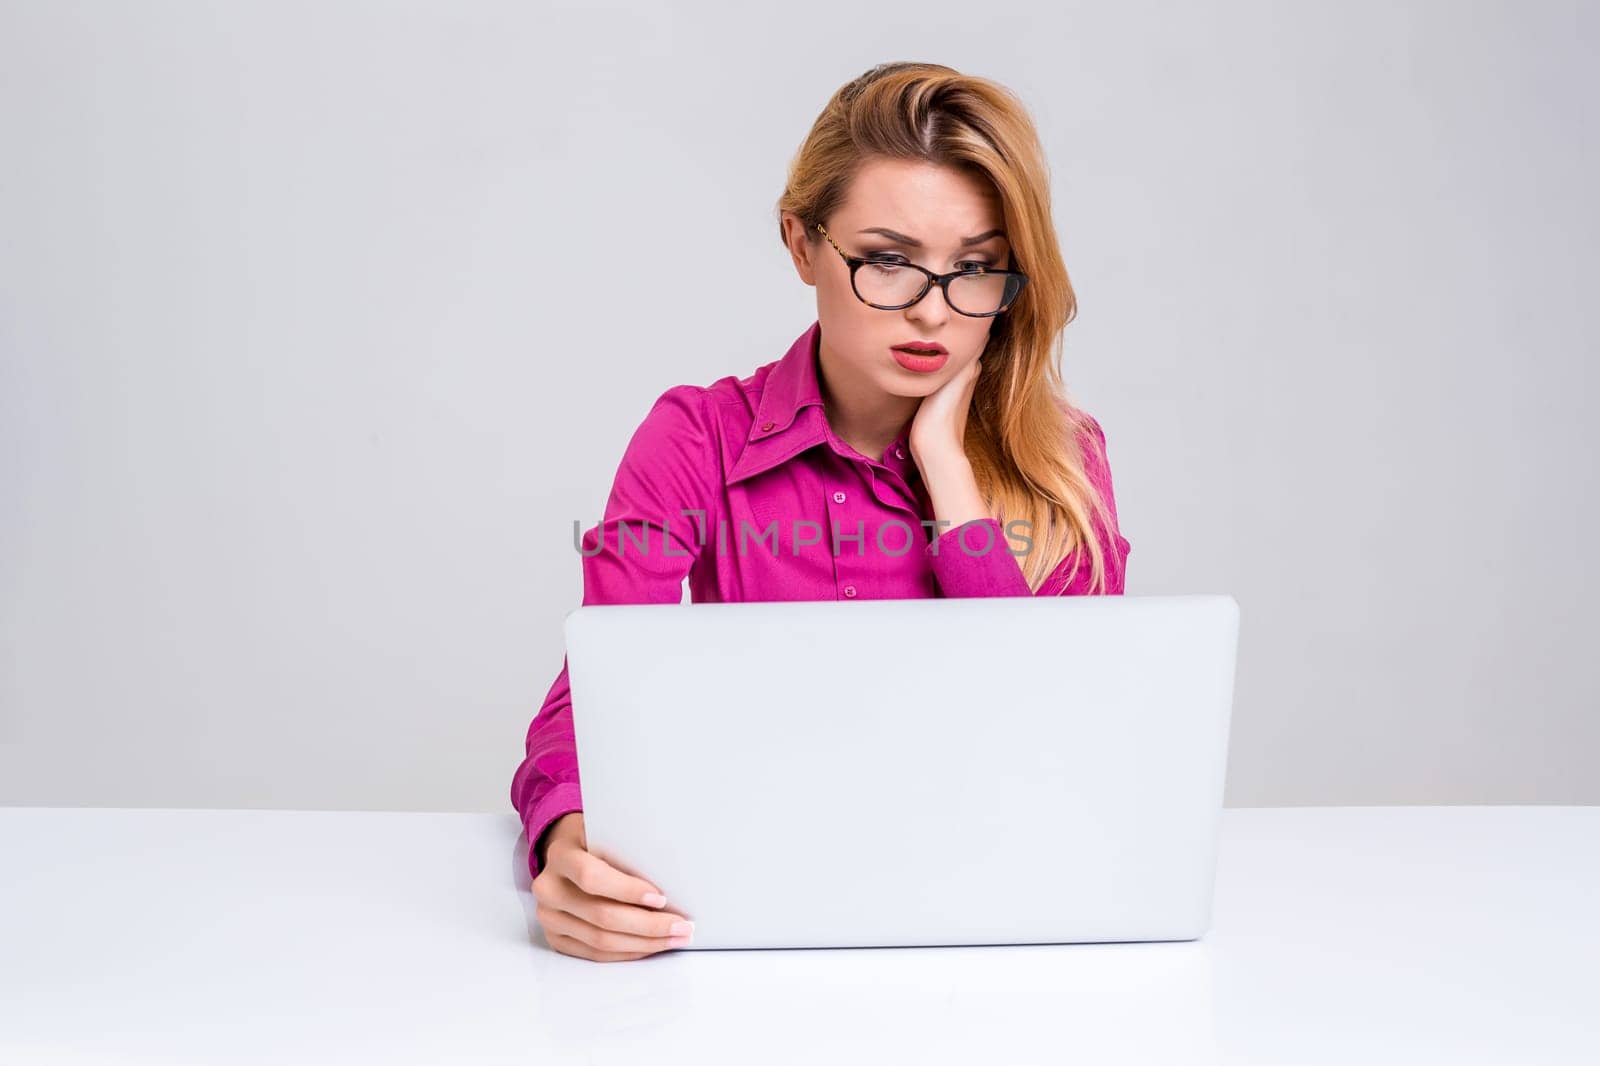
[[974, 559], [563, 798]]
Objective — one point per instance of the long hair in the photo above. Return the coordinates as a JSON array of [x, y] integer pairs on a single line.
[[1024, 437]]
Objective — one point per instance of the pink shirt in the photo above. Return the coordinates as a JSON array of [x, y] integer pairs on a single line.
[[742, 487]]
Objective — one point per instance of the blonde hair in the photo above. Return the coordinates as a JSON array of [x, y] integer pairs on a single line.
[[1024, 436]]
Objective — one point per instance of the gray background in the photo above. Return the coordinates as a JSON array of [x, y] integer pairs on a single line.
[[321, 323]]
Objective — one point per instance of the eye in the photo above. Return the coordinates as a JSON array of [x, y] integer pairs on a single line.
[[886, 265], [974, 265]]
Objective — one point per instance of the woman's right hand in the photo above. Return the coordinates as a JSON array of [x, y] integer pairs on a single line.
[[592, 910]]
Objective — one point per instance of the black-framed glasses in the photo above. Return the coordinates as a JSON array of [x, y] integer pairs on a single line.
[[895, 284]]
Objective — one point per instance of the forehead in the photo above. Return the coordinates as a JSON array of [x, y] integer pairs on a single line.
[[931, 201]]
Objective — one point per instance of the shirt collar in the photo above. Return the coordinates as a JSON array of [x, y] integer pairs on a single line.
[[790, 416], [791, 387]]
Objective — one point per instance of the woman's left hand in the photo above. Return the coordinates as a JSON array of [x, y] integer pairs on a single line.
[[939, 428]]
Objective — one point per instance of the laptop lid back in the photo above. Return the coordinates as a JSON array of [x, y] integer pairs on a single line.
[[910, 772]]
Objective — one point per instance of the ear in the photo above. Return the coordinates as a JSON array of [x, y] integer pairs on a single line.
[[801, 249]]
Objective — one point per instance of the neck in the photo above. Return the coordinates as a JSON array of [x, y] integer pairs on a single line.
[[861, 414]]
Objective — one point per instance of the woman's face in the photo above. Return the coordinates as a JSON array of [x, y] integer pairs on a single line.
[[902, 210]]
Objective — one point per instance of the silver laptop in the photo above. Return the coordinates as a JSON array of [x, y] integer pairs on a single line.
[[992, 770]]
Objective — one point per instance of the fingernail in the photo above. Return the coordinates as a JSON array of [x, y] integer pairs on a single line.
[[682, 929], [655, 899]]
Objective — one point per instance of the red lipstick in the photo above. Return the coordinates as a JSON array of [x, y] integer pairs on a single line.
[[923, 357]]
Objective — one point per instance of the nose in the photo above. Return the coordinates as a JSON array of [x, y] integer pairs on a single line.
[[932, 309]]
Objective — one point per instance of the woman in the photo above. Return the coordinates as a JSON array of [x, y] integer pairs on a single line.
[[913, 442]]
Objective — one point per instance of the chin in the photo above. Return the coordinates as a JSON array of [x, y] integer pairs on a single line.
[[898, 386]]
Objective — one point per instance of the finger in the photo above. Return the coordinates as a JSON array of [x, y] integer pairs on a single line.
[[599, 878], [564, 895], [577, 948], [564, 923], [627, 918]]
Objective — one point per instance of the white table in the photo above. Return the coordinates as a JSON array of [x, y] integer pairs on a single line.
[[1343, 935]]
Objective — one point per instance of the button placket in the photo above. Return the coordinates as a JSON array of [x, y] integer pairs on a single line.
[[840, 497]]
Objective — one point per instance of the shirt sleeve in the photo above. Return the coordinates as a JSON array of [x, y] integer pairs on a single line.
[[640, 552], [974, 559]]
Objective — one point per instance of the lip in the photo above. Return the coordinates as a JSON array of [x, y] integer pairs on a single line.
[[922, 364], [923, 348]]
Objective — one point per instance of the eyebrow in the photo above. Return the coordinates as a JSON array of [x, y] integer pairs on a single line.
[[912, 242]]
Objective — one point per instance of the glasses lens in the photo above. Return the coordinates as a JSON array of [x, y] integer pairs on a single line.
[[983, 294], [888, 284]]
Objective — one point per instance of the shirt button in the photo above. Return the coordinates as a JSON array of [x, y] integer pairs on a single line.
[[838, 497], [850, 590], [766, 426]]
